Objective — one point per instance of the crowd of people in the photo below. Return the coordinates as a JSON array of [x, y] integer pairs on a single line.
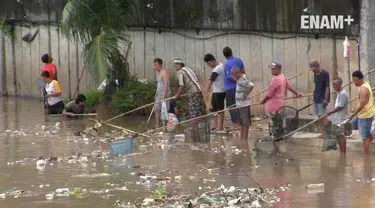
[[53, 100], [231, 87]]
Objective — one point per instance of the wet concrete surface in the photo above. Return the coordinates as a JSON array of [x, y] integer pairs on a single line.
[[223, 160]]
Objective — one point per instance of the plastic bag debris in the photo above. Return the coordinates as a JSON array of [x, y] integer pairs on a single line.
[[315, 186]]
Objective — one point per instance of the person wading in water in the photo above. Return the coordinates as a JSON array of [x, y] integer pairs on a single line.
[[162, 90], [53, 96], [365, 112], [189, 84]]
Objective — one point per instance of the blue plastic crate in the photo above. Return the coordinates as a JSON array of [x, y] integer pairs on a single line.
[[122, 147]]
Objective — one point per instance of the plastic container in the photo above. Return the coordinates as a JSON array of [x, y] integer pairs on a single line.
[[122, 147], [315, 186]]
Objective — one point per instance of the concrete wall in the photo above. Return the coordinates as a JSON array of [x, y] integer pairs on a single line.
[[20, 61]]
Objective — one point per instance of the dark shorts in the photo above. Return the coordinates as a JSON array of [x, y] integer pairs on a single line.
[[230, 96], [244, 116], [56, 108], [217, 101]]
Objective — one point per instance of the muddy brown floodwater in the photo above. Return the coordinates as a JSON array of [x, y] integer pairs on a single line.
[[198, 167]]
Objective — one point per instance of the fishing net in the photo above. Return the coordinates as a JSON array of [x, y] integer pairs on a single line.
[[282, 122], [199, 131]]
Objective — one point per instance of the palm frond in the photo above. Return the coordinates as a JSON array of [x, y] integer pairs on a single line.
[[98, 52]]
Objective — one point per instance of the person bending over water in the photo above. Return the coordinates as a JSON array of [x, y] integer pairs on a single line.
[[76, 106], [53, 96]]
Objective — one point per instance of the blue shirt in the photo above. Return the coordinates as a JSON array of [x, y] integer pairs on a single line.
[[229, 64], [321, 83]]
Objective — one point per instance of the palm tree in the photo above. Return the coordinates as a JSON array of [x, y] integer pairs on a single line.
[[101, 26]]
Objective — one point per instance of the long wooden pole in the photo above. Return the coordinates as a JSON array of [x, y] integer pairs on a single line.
[[147, 105], [214, 113], [83, 114], [152, 111], [79, 81], [144, 106], [118, 127], [297, 75]]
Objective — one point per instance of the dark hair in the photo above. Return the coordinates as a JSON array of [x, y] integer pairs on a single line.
[[159, 61], [80, 98], [227, 52], [338, 79], [45, 58], [45, 74], [182, 65], [209, 57], [357, 74]]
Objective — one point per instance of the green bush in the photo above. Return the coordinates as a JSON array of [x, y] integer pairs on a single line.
[[134, 94], [93, 100]]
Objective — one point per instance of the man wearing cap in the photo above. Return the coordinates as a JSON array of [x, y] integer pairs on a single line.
[[189, 83], [321, 94], [276, 91], [230, 81]]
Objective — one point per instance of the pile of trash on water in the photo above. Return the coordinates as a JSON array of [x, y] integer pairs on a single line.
[[220, 197]]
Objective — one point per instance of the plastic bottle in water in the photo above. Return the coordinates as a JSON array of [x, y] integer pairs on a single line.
[[315, 186]]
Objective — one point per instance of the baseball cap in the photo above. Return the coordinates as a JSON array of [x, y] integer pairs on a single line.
[[275, 65], [313, 64]]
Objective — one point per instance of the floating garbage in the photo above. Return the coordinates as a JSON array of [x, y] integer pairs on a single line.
[[220, 197], [49, 196], [315, 186]]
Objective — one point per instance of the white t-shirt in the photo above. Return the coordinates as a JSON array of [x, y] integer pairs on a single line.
[[53, 87], [217, 78]]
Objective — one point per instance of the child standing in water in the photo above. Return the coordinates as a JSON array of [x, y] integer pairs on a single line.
[[243, 89]]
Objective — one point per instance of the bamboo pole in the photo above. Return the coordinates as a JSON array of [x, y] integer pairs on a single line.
[[214, 113], [119, 127], [144, 106], [266, 88], [79, 81], [83, 114]]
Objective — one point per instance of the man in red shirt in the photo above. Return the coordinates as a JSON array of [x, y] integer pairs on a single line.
[[49, 66]]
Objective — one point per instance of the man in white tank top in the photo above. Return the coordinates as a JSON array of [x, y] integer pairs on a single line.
[[162, 91]]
